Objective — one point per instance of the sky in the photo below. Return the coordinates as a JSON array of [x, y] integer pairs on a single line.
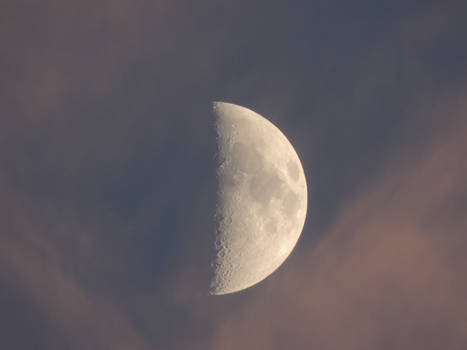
[[107, 185]]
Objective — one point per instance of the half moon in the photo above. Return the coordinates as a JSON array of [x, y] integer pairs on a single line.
[[261, 199]]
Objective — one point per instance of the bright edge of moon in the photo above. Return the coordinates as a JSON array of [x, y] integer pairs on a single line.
[[261, 199]]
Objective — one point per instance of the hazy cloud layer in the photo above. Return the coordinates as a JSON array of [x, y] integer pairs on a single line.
[[107, 186], [390, 271]]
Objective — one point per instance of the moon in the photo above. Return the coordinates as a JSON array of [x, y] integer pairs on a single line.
[[261, 199]]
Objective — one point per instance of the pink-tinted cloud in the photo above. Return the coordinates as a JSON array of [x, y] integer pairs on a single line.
[[390, 273], [54, 49], [32, 262]]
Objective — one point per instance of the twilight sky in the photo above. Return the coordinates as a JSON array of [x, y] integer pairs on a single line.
[[107, 186]]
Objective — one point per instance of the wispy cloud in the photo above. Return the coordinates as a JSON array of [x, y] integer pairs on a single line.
[[80, 139], [390, 271]]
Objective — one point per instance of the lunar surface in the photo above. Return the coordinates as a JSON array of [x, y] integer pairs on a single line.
[[262, 199]]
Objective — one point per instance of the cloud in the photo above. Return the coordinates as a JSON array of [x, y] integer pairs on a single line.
[[106, 201], [388, 274], [56, 49], [36, 265]]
